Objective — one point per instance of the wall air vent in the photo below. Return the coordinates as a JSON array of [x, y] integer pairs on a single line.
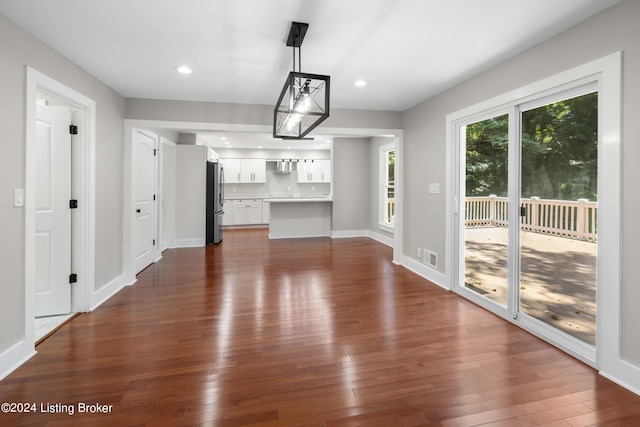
[[430, 258]]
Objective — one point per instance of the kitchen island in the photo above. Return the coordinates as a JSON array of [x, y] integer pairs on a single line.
[[293, 217]]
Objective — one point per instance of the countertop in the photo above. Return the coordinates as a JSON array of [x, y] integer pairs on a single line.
[[283, 198], [298, 199]]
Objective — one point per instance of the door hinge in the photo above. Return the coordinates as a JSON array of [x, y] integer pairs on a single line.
[[73, 278], [154, 242], [73, 129], [154, 197], [73, 204], [155, 152]]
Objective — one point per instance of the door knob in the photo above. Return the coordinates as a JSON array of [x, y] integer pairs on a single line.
[[138, 210]]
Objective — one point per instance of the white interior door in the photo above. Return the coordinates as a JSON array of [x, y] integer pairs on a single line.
[[52, 213], [145, 223]]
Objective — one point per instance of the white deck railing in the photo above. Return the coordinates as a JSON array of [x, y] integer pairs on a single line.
[[564, 218]]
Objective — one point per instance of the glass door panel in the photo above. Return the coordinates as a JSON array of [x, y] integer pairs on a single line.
[[559, 152], [485, 208]]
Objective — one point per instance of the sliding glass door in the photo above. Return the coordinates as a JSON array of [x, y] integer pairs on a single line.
[[558, 197], [528, 231], [485, 208]]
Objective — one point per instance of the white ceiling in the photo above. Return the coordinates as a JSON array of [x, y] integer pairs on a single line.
[[407, 50]]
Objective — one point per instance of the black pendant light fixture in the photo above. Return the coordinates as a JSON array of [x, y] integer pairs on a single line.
[[304, 100]]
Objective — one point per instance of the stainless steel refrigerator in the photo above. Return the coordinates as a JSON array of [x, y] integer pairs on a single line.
[[215, 202]]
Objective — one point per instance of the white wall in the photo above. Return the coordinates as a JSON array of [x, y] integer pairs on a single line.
[[425, 150], [18, 49]]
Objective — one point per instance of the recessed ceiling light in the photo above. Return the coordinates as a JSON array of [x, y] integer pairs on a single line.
[[360, 83], [259, 146], [184, 70]]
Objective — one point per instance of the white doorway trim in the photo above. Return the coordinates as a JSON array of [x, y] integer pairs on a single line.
[[606, 71], [166, 211], [130, 125], [83, 175]]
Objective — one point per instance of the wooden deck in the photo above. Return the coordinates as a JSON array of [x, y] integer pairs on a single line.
[[306, 332], [558, 277]]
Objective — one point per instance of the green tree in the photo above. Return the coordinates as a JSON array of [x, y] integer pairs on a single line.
[[559, 152], [560, 149], [487, 157]]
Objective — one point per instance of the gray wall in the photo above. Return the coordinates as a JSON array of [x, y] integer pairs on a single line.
[[213, 112], [191, 184], [17, 50], [424, 138], [351, 178]]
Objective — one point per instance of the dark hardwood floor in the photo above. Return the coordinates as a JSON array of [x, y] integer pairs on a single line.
[[306, 332]]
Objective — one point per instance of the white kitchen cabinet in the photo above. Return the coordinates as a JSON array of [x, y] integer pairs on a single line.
[[254, 212], [231, 170], [325, 171], [242, 171], [314, 171], [253, 170], [247, 212]]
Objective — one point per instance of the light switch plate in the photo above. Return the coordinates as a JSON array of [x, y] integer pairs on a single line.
[[434, 188], [18, 197]]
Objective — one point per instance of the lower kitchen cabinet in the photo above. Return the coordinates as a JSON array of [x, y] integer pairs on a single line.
[[247, 212]]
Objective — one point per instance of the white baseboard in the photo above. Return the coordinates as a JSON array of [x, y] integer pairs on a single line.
[[629, 372], [343, 234], [425, 271], [15, 356], [189, 243], [107, 291], [381, 238], [296, 237]]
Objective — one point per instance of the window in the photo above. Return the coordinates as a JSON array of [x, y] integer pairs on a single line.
[[387, 187]]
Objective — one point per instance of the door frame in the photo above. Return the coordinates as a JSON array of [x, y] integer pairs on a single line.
[[606, 71], [83, 176], [128, 257], [166, 196]]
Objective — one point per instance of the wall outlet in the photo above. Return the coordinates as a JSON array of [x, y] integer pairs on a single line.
[[419, 252], [430, 258]]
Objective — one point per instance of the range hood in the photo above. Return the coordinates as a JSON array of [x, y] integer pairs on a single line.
[[284, 166]]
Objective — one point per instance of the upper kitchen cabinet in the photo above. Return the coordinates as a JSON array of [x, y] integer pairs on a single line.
[[253, 170], [231, 170], [314, 171], [245, 171]]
